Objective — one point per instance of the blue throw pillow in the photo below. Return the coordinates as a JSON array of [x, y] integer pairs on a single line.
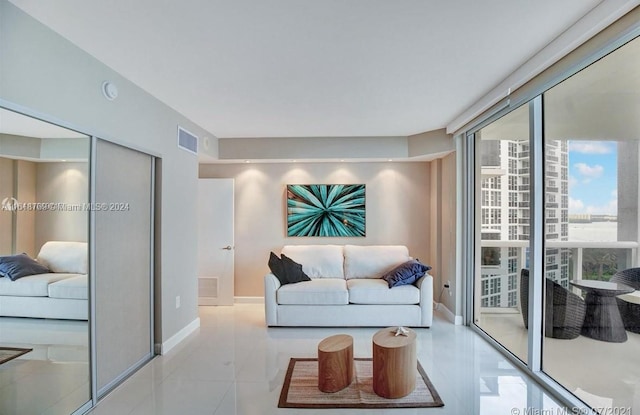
[[21, 265], [406, 273]]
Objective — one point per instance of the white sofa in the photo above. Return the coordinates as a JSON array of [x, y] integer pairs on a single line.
[[61, 294], [346, 289]]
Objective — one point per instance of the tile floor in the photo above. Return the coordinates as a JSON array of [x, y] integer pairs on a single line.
[[53, 379], [234, 365], [603, 374]]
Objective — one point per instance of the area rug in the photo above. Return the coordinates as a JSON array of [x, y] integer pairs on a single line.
[[300, 389], [10, 353]]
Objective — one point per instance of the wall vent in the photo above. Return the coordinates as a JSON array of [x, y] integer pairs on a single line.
[[208, 288], [187, 141]]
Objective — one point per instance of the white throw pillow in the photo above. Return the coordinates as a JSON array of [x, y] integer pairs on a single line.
[[318, 261], [63, 256], [373, 261]]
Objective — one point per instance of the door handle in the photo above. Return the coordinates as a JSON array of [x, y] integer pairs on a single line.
[[228, 248]]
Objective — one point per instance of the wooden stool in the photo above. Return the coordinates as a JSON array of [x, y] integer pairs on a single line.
[[335, 363], [394, 363]]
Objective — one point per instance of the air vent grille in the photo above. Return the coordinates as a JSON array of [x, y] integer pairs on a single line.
[[208, 287], [187, 141]]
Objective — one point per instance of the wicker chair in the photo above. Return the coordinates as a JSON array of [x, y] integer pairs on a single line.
[[564, 310], [630, 312]]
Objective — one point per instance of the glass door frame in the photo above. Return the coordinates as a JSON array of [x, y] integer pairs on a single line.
[[468, 218]]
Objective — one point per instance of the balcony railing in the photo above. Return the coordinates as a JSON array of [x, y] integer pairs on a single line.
[[581, 253]]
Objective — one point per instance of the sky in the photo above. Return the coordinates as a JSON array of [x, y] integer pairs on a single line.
[[593, 177]]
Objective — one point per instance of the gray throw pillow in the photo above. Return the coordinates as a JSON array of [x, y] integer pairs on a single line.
[[21, 265]]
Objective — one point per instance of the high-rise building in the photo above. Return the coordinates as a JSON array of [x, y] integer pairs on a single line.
[[505, 201]]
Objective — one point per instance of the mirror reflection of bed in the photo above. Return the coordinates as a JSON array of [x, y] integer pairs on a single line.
[[43, 186]]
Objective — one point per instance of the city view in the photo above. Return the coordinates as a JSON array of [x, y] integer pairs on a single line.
[[581, 201]]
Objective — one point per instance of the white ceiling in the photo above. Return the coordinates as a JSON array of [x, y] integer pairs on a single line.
[[17, 124], [295, 68]]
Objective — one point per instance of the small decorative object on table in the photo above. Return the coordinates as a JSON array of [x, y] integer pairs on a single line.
[[402, 331]]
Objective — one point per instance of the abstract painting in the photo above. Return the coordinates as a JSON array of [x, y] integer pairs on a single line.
[[326, 210]]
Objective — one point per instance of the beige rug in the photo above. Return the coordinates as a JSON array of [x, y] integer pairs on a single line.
[[300, 389], [10, 353]]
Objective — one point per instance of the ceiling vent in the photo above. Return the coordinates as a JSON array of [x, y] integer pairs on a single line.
[[187, 141]]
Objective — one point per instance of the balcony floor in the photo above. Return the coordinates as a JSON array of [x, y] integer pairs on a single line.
[[603, 374]]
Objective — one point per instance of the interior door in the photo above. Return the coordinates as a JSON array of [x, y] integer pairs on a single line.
[[215, 242]]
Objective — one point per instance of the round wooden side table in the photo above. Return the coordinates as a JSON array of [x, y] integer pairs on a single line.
[[394, 363], [335, 363]]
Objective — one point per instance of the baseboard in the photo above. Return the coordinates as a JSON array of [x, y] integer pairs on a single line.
[[452, 318], [248, 300], [174, 340]]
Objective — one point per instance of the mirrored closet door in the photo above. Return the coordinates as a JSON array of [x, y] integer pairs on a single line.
[[44, 295]]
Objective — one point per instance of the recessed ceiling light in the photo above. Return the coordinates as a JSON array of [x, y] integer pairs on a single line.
[[390, 159], [247, 161]]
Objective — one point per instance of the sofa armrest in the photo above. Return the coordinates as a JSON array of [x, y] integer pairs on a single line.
[[271, 285], [425, 285]]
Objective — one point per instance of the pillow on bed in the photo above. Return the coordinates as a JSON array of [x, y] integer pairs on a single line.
[[21, 265], [406, 273]]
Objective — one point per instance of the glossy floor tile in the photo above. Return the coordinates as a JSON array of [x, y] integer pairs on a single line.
[[234, 365], [53, 378]]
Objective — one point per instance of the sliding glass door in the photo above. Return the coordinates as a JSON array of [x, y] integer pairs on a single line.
[[591, 229], [556, 232], [502, 230]]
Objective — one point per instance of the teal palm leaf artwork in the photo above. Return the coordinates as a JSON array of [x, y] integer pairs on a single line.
[[326, 210]]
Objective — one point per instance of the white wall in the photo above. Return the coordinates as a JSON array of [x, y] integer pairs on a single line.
[[61, 183], [397, 209], [6, 219], [46, 74], [448, 235], [25, 233]]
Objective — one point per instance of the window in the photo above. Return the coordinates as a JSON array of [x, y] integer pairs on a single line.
[[490, 256]]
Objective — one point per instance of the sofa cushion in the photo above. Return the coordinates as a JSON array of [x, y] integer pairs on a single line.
[[62, 256], [21, 265], [31, 286], [74, 287], [406, 273], [372, 261], [376, 291], [324, 291], [318, 261]]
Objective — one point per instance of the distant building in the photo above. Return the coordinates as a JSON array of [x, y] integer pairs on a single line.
[[505, 216]]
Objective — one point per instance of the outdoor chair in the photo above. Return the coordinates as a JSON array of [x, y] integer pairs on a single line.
[[629, 304], [564, 310]]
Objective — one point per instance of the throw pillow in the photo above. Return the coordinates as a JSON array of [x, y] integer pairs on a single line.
[[21, 265], [277, 269], [293, 270], [406, 273]]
